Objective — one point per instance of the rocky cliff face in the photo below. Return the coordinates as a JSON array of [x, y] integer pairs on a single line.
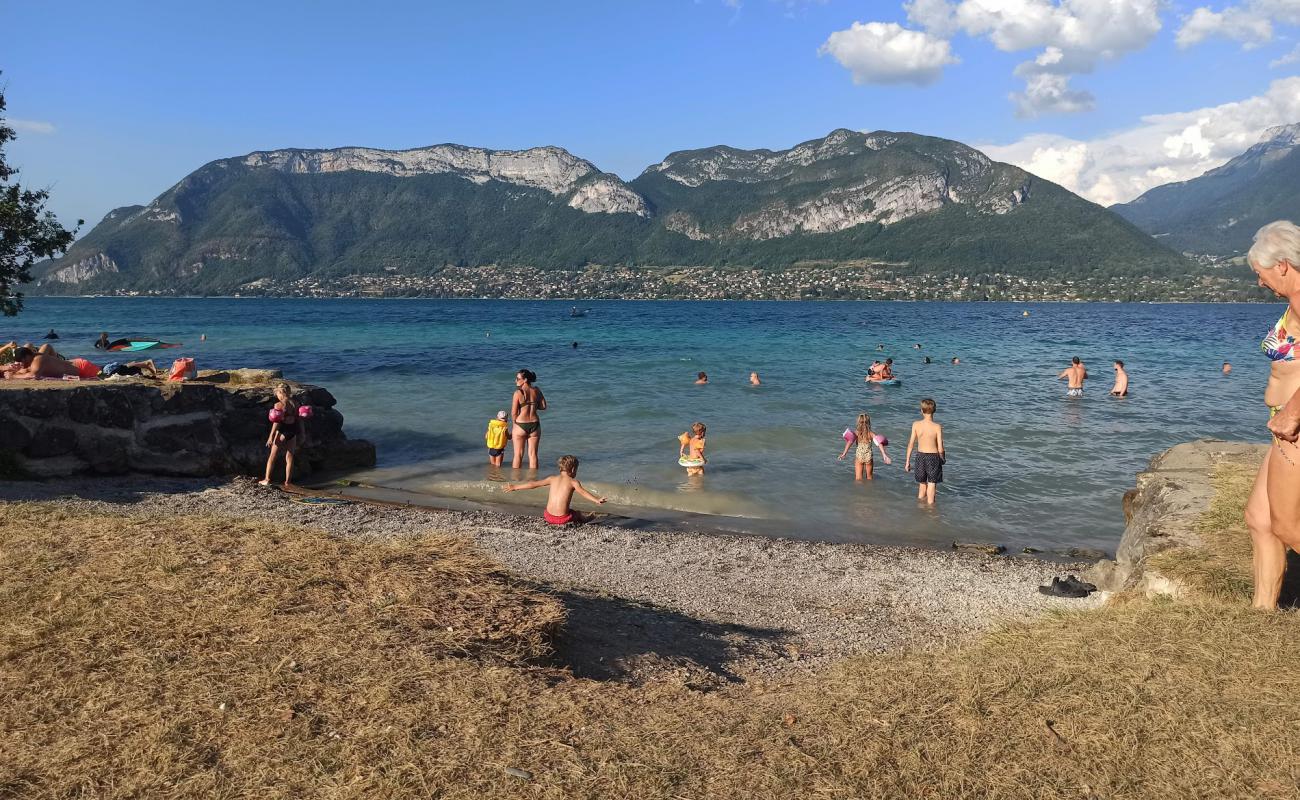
[[552, 169], [827, 185], [51, 429]]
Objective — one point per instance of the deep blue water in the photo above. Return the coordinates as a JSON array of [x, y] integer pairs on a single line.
[[421, 378]]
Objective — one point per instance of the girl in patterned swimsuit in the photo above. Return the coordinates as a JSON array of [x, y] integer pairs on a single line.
[[863, 460]]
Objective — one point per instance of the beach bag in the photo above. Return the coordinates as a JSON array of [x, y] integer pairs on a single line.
[[183, 369]]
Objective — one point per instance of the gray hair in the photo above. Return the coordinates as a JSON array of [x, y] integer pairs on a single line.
[[1275, 242]]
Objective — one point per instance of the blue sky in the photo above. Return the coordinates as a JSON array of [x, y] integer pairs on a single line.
[[115, 102]]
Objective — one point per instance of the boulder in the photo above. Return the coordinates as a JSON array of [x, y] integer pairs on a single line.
[[52, 429]]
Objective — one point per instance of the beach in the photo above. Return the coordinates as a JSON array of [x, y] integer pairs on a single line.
[[700, 608]]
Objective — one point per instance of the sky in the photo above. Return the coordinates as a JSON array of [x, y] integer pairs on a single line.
[[115, 102]]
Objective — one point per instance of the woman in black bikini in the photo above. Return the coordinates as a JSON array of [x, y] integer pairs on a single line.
[[524, 407]]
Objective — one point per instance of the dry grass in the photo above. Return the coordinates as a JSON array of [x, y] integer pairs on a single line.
[[120, 640], [1222, 569]]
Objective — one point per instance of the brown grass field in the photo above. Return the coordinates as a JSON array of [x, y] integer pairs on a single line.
[[202, 657]]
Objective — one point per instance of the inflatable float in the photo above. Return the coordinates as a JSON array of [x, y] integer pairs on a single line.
[[890, 382], [135, 347], [850, 436]]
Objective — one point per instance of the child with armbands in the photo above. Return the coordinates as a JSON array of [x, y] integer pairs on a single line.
[[863, 437], [287, 433], [692, 441]]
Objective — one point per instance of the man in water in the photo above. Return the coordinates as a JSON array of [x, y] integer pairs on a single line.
[[1120, 389], [701, 379], [1227, 368], [1076, 375], [753, 379]]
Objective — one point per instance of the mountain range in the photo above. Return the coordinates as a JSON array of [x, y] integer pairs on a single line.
[[1218, 213], [916, 202]]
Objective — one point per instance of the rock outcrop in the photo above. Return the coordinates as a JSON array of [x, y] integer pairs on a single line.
[[1164, 510], [50, 429], [553, 169]]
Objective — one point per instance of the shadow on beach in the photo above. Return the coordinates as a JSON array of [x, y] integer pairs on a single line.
[[610, 638]]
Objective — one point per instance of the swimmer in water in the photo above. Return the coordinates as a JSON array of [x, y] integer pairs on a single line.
[[956, 360], [1227, 368], [753, 379], [1120, 389], [1076, 374], [701, 379]]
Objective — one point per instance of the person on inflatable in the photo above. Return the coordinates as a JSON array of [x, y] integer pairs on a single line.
[[287, 433], [863, 437], [884, 373]]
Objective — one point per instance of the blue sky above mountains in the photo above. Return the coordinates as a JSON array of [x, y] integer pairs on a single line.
[[115, 102]]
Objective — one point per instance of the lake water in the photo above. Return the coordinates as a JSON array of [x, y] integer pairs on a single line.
[[1026, 466]]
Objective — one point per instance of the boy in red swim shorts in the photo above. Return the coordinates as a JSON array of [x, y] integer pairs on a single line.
[[562, 488]]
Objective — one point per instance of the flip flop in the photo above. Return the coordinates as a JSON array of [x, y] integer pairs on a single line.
[[1059, 588], [1075, 583]]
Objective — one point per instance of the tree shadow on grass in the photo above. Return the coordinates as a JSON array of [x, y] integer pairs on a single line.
[[615, 639]]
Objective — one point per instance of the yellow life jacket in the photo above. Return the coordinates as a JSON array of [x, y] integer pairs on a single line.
[[496, 434]]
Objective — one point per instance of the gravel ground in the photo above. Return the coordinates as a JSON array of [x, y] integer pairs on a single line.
[[701, 608]]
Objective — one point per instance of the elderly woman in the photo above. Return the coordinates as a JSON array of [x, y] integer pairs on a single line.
[[1273, 511]]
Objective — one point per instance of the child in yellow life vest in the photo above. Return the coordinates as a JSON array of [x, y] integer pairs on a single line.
[[496, 439]]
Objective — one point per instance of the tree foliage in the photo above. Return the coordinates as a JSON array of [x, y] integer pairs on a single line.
[[27, 231]]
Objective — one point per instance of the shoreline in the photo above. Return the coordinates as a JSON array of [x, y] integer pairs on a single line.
[[703, 609], [29, 295]]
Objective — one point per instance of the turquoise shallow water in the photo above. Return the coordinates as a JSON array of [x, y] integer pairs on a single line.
[[1026, 466]]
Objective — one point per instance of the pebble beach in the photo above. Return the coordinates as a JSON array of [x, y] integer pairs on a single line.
[[702, 608]]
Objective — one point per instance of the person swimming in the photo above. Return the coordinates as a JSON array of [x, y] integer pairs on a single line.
[[1076, 374], [701, 379], [753, 379]]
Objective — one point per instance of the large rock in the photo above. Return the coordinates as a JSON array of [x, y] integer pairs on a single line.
[[54, 429], [1164, 510]]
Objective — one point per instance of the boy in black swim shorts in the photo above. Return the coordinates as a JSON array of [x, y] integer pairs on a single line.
[[927, 438]]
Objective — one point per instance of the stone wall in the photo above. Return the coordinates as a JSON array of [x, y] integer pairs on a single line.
[[54, 429], [1164, 510]]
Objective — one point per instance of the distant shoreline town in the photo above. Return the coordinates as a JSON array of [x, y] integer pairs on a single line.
[[1221, 284]]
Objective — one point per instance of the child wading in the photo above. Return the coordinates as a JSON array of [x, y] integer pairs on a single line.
[[864, 438], [562, 488], [927, 438], [496, 439], [693, 441]]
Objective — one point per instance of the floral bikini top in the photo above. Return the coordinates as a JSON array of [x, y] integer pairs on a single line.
[[1279, 345]]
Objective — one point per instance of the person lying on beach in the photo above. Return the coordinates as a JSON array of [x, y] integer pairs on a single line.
[[29, 365], [562, 487]]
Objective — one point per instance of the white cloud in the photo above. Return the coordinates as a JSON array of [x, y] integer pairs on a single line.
[[1075, 35], [1162, 148], [1290, 58], [1250, 23], [886, 52], [30, 125], [1048, 93]]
